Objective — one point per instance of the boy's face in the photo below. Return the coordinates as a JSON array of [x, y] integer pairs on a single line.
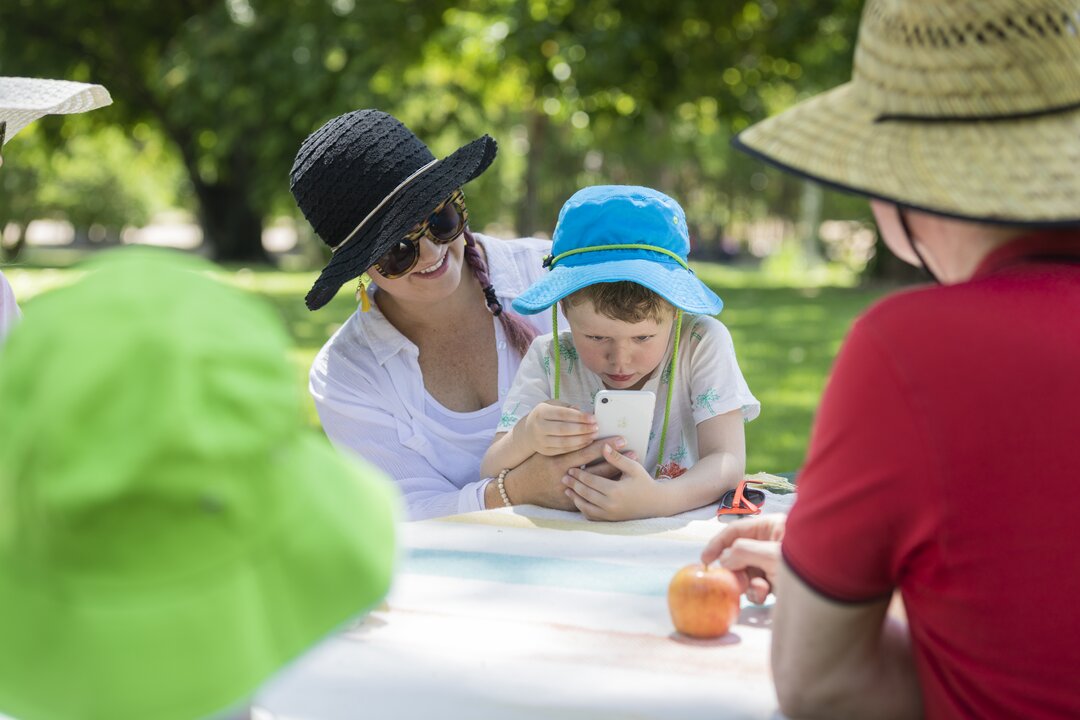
[[623, 354]]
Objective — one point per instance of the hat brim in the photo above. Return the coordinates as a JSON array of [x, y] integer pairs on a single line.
[[1023, 171], [409, 207], [679, 287], [192, 646], [24, 100]]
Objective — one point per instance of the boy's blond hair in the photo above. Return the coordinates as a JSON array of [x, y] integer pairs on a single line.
[[622, 300]]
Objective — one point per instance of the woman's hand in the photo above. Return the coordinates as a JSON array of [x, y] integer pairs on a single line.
[[539, 480], [633, 494], [751, 549], [556, 428]]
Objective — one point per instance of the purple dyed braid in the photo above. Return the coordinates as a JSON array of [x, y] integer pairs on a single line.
[[518, 332]]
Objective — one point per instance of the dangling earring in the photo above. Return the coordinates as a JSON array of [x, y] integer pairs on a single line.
[[361, 293]]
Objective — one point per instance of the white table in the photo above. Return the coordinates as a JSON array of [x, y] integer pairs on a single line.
[[534, 613]]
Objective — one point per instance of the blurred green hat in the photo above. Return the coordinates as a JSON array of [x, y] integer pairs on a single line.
[[170, 533]]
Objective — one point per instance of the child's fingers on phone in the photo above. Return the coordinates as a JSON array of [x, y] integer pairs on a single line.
[[597, 483], [565, 413], [561, 444], [555, 427], [605, 469], [619, 460], [583, 489], [592, 512]]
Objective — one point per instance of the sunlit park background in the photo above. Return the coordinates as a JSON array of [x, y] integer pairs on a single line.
[[213, 97]]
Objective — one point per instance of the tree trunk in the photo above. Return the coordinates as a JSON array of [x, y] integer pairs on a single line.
[[810, 208], [527, 207], [231, 227], [10, 253]]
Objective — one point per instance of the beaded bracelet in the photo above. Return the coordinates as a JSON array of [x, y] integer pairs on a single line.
[[501, 483]]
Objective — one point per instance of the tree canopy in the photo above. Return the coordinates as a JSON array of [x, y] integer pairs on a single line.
[[576, 92]]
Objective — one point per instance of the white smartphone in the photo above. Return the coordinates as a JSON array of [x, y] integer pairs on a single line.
[[627, 413]]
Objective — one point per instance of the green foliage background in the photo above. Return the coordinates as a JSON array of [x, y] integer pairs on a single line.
[[213, 97]]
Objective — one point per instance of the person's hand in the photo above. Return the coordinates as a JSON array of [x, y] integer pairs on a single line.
[[539, 480], [750, 548], [555, 428], [632, 494]]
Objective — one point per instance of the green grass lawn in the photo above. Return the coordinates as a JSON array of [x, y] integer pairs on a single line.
[[786, 329]]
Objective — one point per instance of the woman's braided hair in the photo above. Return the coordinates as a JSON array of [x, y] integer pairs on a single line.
[[519, 333]]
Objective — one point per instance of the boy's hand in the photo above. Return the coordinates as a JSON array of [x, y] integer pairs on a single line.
[[555, 428], [633, 494]]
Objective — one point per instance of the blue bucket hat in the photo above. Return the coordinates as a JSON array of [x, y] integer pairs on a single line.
[[608, 233]]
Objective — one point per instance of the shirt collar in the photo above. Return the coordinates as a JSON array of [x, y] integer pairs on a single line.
[[382, 337], [1058, 245]]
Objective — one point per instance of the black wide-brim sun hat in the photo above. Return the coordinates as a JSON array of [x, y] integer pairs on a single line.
[[365, 167]]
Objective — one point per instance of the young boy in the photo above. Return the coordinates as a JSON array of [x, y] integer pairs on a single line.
[[639, 320]]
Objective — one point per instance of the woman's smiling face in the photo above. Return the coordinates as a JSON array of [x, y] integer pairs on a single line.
[[436, 275], [437, 259]]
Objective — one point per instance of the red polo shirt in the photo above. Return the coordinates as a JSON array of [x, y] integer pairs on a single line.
[[945, 461]]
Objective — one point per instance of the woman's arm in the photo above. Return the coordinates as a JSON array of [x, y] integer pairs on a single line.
[[371, 432], [551, 428], [539, 480], [362, 427], [508, 450]]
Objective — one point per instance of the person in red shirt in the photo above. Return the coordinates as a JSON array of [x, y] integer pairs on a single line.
[[941, 466]]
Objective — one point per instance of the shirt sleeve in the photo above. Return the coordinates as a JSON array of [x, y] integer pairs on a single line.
[[358, 423], [717, 385], [532, 385], [865, 504], [9, 310]]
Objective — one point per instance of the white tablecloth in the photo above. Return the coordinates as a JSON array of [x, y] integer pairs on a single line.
[[534, 613]]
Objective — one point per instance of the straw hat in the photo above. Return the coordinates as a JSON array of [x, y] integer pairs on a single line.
[[24, 100], [170, 532], [966, 108], [363, 180]]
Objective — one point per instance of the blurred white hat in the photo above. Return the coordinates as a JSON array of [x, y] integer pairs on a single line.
[[24, 100]]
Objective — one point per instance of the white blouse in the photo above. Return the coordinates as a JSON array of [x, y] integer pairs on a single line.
[[370, 396]]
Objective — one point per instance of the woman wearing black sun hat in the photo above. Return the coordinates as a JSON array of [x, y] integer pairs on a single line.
[[414, 379]]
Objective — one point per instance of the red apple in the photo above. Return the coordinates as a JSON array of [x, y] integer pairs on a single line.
[[704, 601]]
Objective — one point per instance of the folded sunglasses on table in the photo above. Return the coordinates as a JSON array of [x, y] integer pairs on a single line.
[[742, 500]]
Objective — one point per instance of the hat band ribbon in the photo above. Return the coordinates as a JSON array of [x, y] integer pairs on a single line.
[[979, 118], [388, 198], [550, 261]]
